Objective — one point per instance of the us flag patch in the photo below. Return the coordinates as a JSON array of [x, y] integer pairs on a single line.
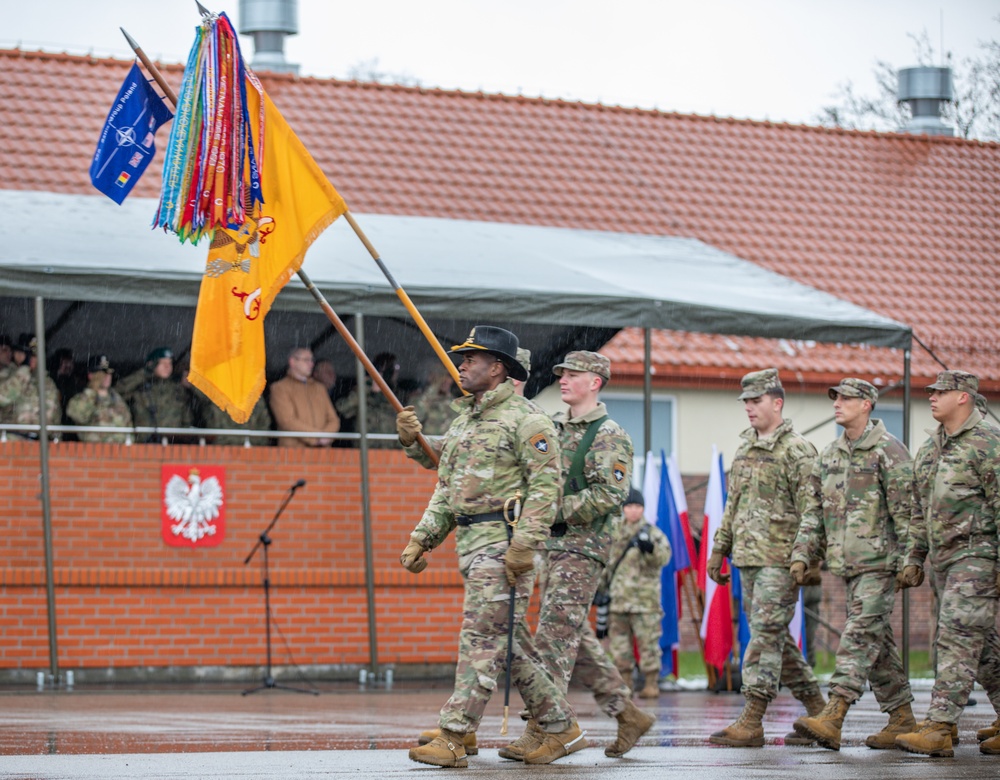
[[619, 471], [540, 443]]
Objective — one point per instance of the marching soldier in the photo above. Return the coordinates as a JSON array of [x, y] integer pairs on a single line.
[[955, 516], [99, 403], [865, 478], [498, 447], [770, 490]]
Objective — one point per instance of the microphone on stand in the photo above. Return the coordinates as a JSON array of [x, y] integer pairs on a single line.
[[297, 485]]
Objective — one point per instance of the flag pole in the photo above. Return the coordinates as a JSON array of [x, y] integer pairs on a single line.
[[331, 315], [400, 292]]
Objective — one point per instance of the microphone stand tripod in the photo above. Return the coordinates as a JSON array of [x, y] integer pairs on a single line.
[[265, 541]]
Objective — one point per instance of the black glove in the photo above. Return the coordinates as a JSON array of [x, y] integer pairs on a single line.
[[644, 543]]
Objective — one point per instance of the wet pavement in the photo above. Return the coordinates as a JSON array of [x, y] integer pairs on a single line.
[[212, 731]]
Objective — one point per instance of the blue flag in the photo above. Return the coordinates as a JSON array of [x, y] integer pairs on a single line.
[[126, 146], [669, 522]]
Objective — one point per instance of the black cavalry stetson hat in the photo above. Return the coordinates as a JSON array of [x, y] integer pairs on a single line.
[[496, 341]]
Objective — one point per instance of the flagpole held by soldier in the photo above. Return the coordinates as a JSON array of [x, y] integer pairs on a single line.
[[317, 295]]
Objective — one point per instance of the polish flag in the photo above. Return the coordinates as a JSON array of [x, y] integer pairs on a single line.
[[717, 622]]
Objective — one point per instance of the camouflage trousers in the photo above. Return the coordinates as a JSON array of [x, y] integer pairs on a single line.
[[641, 630], [867, 650], [967, 643], [772, 658], [565, 639], [482, 648]]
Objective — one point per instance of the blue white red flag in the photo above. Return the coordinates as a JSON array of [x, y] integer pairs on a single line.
[[127, 143], [669, 522]]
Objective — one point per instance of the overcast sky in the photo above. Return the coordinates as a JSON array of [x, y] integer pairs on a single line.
[[781, 60]]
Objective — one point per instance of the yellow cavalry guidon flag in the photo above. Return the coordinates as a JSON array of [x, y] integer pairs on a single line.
[[247, 268]]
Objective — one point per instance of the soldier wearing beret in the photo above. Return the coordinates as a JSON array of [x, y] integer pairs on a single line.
[[500, 452], [864, 478], [771, 488], [954, 522], [99, 403], [155, 398], [595, 484]]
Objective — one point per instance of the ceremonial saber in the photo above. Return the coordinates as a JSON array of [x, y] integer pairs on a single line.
[[331, 315], [400, 292], [511, 525]]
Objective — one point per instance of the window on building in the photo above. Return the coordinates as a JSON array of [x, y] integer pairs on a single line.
[[627, 411]]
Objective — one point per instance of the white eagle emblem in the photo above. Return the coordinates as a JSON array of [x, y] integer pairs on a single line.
[[193, 504]]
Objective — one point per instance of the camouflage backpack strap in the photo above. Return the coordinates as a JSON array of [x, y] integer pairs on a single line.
[[575, 480]]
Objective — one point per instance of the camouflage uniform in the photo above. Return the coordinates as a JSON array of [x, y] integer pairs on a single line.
[[434, 410], [576, 553], [770, 489], [214, 417], [636, 611], [956, 508], [155, 403], [865, 489], [492, 450], [89, 408], [19, 400], [380, 413]]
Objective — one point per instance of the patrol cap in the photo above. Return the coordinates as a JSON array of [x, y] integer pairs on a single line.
[[756, 383], [496, 341], [27, 343], [5, 340], [956, 380], [635, 497], [524, 358], [99, 363], [585, 361], [854, 388], [158, 354]]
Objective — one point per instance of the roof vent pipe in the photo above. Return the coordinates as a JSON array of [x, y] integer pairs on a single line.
[[926, 91], [269, 22]]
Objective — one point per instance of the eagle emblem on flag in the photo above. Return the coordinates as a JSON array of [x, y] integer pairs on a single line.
[[192, 507]]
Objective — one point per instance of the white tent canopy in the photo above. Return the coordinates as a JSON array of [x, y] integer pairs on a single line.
[[81, 248]]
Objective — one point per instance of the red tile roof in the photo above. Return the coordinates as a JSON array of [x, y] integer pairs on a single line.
[[907, 226]]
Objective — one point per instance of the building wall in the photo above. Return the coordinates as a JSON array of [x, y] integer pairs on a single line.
[[127, 601]]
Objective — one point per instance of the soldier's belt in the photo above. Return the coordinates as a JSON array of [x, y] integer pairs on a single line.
[[489, 517]]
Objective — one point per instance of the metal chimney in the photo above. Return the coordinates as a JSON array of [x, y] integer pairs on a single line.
[[926, 91], [269, 21]]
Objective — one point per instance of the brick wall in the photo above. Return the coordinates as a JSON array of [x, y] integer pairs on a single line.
[[127, 600]]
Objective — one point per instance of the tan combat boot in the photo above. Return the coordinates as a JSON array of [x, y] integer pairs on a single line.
[[528, 741], [989, 732], [825, 727], [933, 739], [991, 746], [900, 722], [555, 746], [747, 730], [632, 724], [471, 748], [446, 749], [814, 704], [651, 690], [954, 730]]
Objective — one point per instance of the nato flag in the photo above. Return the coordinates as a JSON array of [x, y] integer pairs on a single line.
[[126, 146]]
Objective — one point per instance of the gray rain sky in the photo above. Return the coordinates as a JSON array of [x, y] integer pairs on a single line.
[[781, 60]]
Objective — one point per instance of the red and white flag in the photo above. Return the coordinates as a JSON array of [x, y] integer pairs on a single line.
[[717, 622]]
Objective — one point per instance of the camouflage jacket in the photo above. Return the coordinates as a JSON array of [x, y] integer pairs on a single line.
[[381, 416], [214, 417], [956, 495], [155, 402], [492, 450], [88, 408], [635, 584], [592, 515], [865, 493], [19, 400], [770, 489], [434, 410]]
